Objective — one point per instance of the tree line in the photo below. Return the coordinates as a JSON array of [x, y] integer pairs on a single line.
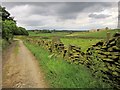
[[9, 25], [52, 31]]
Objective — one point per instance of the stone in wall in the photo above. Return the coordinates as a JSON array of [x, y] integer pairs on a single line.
[[107, 56]]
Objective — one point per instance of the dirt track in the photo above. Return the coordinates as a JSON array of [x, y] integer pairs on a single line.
[[21, 69]]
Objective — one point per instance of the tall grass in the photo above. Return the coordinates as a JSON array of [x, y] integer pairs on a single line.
[[61, 74], [4, 44]]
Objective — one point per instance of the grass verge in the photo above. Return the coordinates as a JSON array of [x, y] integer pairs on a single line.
[[16, 48], [4, 44], [61, 74]]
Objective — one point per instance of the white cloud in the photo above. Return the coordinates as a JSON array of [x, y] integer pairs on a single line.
[[48, 16]]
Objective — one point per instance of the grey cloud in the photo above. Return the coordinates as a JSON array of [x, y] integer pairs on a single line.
[[73, 9], [31, 22], [99, 16], [70, 10], [42, 4], [63, 10]]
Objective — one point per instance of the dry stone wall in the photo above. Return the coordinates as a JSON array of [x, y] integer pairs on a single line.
[[103, 58]]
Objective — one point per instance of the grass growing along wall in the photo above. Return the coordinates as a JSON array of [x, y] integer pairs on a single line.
[[61, 74]]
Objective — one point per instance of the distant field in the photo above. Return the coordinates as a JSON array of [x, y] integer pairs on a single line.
[[74, 40], [83, 43], [57, 71], [99, 34], [94, 34], [48, 34]]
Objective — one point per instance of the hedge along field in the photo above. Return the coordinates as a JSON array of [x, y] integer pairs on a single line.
[[83, 43], [61, 74]]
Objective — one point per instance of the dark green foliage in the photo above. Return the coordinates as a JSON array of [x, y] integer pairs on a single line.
[[5, 14], [20, 31], [9, 27]]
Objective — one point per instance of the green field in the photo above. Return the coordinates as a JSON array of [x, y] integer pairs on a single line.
[[99, 34], [83, 43], [58, 72], [76, 38], [48, 34], [53, 55], [61, 74]]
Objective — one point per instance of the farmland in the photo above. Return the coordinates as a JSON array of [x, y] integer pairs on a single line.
[[58, 67], [48, 34], [83, 43], [76, 68], [62, 45], [81, 39], [101, 34]]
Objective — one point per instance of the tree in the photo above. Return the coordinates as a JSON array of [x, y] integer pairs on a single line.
[[9, 27], [21, 31], [5, 14]]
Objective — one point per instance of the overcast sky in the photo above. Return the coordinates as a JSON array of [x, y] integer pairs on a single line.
[[64, 15]]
